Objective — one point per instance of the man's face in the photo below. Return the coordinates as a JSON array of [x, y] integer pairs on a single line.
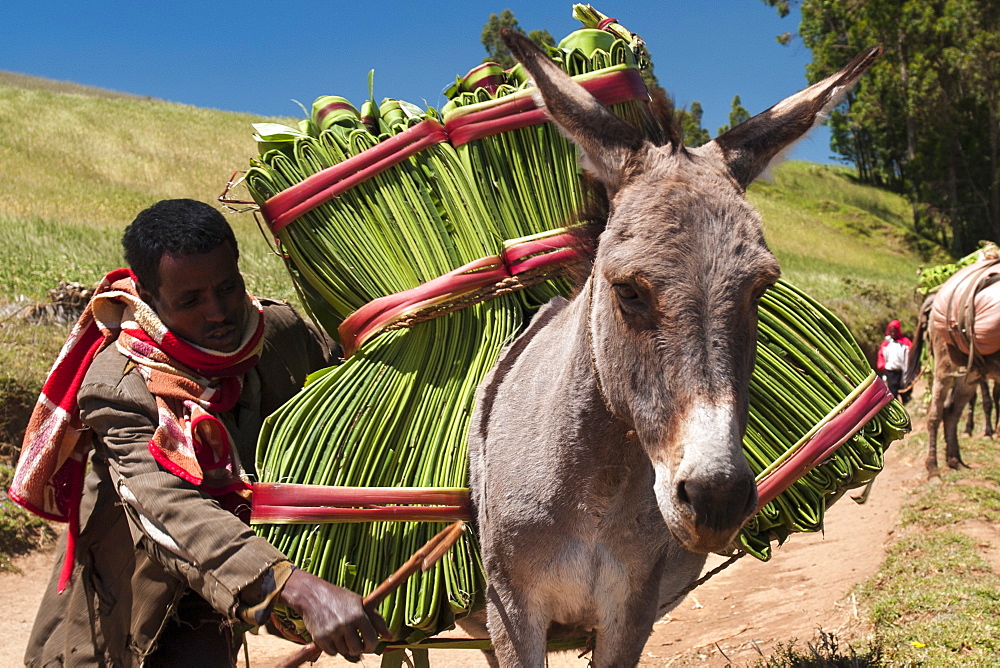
[[202, 298]]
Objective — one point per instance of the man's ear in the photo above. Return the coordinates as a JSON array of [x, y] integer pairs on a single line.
[[144, 294]]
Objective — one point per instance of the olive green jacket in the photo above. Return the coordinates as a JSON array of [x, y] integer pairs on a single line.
[[146, 535]]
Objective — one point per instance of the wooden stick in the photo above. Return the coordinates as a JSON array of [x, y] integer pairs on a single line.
[[421, 560]]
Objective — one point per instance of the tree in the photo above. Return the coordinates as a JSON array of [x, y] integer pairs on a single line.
[[496, 50], [690, 124], [737, 114], [926, 119]]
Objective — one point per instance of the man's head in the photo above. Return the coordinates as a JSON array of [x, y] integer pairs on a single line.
[[184, 255], [893, 329]]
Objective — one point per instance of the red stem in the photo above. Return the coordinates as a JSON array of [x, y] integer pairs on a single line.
[[379, 313], [281, 494], [289, 204]]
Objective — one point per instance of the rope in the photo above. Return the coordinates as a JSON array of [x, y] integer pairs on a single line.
[[700, 581], [504, 287]]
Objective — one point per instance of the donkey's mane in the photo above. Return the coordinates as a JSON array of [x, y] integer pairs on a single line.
[[590, 220]]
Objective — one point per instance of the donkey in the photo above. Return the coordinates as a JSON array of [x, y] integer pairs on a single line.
[[606, 443], [955, 380]]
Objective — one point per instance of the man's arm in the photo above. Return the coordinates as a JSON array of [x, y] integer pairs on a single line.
[[183, 529], [197, 541]]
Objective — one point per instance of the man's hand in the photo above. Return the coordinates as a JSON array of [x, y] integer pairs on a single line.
[[334, 616]]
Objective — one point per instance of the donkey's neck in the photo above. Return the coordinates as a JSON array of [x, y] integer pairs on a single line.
[[577, 380]]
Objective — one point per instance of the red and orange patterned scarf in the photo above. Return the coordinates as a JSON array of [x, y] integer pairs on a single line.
[[189, 383]]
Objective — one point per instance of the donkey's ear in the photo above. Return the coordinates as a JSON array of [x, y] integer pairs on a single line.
[[750, 146], [605, 141]]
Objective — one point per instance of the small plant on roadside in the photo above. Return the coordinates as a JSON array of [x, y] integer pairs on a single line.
[[20, 531], [24, 367], [825, 653]]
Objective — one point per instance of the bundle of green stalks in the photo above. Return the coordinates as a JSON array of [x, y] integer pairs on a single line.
[[807, 364], [396, 412], [931, 278]]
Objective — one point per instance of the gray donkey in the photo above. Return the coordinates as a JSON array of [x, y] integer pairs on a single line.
[[605, 448]]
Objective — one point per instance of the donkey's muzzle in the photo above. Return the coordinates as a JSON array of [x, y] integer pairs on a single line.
[[715, 508]]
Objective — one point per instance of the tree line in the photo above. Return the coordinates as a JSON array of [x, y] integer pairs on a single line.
[[925, 121]]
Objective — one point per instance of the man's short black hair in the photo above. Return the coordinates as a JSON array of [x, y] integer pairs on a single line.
[[177, 227]]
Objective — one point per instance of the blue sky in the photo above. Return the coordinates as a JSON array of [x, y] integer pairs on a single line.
[[260, 57]]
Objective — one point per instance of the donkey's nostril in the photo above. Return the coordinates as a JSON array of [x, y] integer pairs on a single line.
[[682, 495]]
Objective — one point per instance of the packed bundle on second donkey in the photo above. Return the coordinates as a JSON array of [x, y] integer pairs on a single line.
[[960, 323], [608, 442]]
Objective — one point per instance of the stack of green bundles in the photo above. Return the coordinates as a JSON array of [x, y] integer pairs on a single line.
[[397, 411]]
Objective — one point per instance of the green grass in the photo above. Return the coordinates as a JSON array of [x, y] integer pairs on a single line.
[[38, 253], [26, 354], [86, 159], [849, 245], [20, 532], [827, 652], [936, 599], [78, 166]]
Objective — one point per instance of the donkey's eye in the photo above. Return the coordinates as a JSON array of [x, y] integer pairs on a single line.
[[625, 292], [759, 290]]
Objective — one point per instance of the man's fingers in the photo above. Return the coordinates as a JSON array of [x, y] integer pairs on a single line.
[[368, 635], [380, 626], [328, 645], [349, 644]]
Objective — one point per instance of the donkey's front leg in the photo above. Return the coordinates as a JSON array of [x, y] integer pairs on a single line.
[[940, 389], [961, 393], [624, 629], [517, 631]]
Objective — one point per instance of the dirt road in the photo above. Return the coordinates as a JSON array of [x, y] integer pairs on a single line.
[[750, 605]]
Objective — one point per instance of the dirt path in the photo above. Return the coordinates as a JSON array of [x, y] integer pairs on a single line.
[[751, 604]]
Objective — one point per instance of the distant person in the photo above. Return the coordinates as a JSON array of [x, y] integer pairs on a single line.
[[893, 356], [159, 396]]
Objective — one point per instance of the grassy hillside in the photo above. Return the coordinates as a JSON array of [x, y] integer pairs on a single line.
[[78, 164], [849, 245]]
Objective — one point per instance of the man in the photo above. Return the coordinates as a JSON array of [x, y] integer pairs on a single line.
[[180, 369], [893, 356]]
